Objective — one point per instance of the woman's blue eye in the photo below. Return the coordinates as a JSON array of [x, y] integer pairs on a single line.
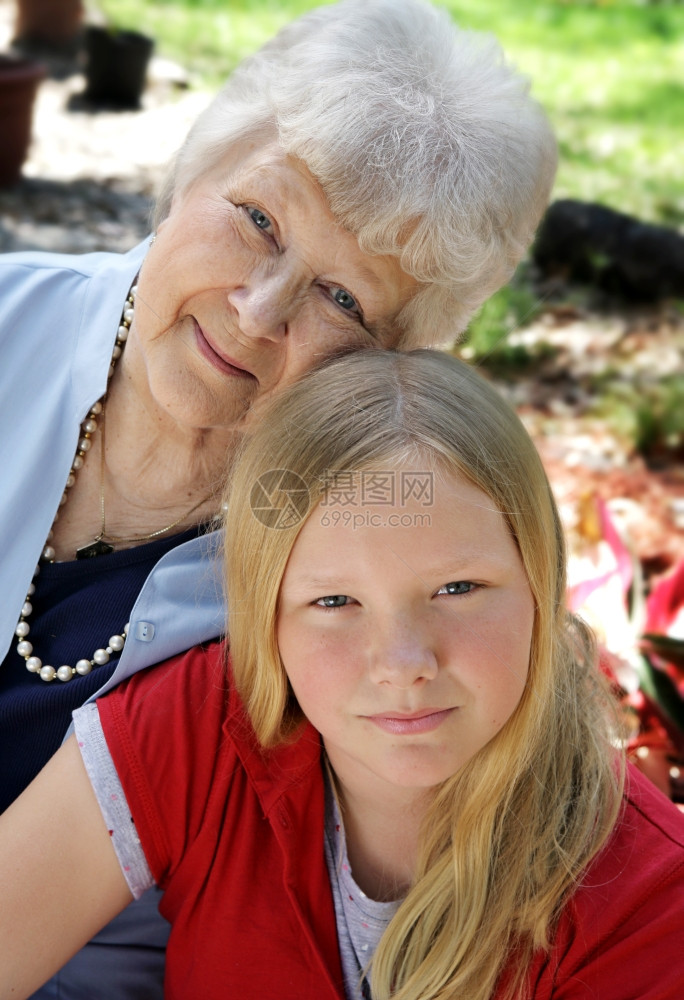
[[344, 299], [258, 218], [334, 601]]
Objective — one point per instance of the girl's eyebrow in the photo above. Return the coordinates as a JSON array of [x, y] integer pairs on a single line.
[[444, 571], [470, 563], [301, 581]]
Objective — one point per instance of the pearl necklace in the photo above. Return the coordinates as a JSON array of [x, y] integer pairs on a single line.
[[116, 642]]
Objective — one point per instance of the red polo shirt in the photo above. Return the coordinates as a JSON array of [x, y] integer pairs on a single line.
[[234, 837]]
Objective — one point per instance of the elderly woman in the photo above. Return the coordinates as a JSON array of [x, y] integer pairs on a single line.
[[368, 178]]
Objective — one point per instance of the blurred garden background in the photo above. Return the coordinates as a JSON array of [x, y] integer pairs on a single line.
[[594, 366], [610, 74]]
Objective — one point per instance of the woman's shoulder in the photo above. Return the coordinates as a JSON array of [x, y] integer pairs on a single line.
[[35, 284], [46, 263]]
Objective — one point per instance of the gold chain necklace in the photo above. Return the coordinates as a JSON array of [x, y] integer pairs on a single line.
[[102, 543]]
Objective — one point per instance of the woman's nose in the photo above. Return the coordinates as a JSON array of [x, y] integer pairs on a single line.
[[263, 307], [401, 655]]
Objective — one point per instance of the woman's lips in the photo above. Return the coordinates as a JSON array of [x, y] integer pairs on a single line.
[[220, 361], [417, 722]]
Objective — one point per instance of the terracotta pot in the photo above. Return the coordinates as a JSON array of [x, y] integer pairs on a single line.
[[19, 79], [49, 24], [116, 66]]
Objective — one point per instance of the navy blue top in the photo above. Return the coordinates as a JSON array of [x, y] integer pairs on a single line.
[[77, 606]]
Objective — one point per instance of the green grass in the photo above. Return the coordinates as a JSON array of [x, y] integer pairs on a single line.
[[207, 37], [611, 76], [647, 412], [512, 307]]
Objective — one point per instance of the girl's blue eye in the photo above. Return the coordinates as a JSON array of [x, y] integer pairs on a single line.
[[258, 218], [334, 601], [344, 299], [457, 587]]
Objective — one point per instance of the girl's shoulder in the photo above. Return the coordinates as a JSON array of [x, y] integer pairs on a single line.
[[188, 758], [646, 849], [650, 811], [193, 682], [620, 933]]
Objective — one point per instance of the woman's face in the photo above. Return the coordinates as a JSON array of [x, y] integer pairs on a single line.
[[405, 629], [249, 283]]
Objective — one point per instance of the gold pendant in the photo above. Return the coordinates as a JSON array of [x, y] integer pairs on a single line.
[[95, 548]]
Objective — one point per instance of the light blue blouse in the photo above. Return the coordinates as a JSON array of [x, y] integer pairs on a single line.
[[58, 319]]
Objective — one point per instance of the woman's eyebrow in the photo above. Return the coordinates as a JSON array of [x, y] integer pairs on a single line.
[[365, 273]]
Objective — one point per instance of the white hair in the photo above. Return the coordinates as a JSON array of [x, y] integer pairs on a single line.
[[425, 142]]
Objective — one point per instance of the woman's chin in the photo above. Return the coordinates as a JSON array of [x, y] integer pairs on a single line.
[[191, 405]]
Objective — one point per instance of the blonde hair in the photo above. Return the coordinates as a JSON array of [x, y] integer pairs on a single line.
[[425, 142], [506, 837]]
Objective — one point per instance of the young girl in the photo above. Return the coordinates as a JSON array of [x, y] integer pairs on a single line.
[[403, 780]]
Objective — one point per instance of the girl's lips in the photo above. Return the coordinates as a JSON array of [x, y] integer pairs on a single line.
[[220, 361], [406, 725]]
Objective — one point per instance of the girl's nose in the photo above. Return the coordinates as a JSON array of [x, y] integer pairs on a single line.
[[401, 655]]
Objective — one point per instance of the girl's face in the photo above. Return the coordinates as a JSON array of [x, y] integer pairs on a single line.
[[405, 628]]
